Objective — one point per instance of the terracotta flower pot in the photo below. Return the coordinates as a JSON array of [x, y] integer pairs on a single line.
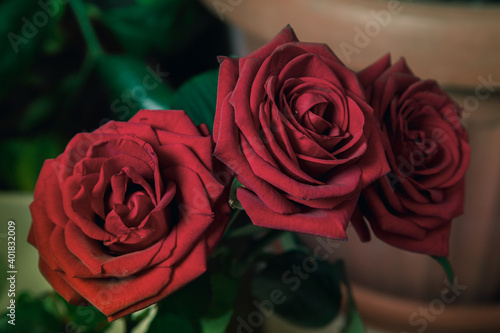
[[459, 47]]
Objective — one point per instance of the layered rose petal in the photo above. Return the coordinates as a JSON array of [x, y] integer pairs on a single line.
[[133, 205], [321, 222], [428, 153]]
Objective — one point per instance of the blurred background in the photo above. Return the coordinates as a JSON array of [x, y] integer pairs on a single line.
[[53, 85], [67, 66]]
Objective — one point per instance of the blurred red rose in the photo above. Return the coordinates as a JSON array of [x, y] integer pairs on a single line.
[[129, 213], [292, 123], [412, 206]]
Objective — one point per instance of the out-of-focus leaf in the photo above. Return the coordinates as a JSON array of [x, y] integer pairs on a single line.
[[299, 288], [55, 40], [203, 306], [198, 97], [224, 290], [147, 26], [133, 85], [22, 159], [30, 316], [84, 319], [289, 242], [146, 2], [38, 111], [51, 313], [216, 324]]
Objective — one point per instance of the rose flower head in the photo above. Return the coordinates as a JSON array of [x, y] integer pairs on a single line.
[[412, 206], [129, 213], [293, 125]]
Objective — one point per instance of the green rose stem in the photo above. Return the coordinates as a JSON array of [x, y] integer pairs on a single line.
[[94, 50], [80, 11]]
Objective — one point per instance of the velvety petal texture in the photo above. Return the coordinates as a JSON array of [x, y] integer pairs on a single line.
[[293, 125], [129, 213], [412, 206]]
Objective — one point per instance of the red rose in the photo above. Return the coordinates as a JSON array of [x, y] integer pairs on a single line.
[[293, 124], [129, 213], [412, 206]]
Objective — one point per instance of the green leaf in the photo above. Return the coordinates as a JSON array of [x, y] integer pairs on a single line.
[[55, 41], [203, 306], [81, 12], [224, 289], [216, 324], [233, 198], [84, 319], [299, 288], [51, 313], [37, 112], [353, 323], [198, 97], [289, 242], [448, 269], [30, 316], [133, 85]]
